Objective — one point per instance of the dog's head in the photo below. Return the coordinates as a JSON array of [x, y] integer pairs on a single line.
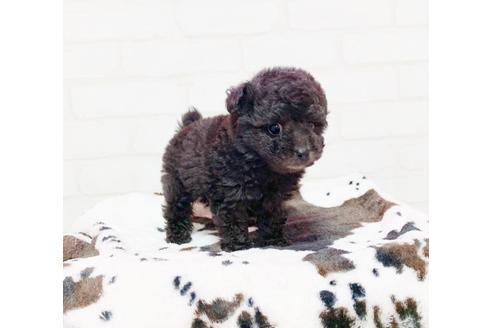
[[281, 115]]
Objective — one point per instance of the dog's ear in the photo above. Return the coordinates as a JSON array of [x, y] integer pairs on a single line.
[[240, 99]]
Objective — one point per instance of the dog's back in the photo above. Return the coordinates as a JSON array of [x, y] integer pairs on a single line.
[[185, 155]]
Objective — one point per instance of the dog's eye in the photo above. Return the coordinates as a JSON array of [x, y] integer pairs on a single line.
[[311, 125], [275, 129]]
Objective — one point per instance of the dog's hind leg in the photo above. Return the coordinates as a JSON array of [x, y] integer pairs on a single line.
[[177, 211]]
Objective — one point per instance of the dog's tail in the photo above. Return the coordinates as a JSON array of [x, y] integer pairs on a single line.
[[192, 115]]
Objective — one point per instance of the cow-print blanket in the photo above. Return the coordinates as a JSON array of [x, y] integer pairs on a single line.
[[356, 260]]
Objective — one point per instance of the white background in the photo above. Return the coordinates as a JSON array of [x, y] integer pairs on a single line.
[[131, 67]]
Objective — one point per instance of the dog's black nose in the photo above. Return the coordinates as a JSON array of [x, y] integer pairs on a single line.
[[302, 153]]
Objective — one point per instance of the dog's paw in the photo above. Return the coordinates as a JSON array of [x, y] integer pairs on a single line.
[[178, 239], [231, 247], [279, 242]]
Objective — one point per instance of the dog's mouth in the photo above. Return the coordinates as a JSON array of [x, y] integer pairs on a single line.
[[296, 167]]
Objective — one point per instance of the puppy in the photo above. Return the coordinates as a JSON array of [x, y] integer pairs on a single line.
[[245, 164]]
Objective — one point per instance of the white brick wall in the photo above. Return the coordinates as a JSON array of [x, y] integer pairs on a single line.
[[133, 66]]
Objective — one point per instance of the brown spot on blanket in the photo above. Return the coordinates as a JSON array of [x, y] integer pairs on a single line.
[[426, 248], [75, 248], [397, 255], [312, 227], [408, 311], [244, 320], [81, 293], [330, 260], [376, 311], [219, 309]]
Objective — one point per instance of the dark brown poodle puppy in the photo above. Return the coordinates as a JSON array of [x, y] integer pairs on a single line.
[[247, 163]]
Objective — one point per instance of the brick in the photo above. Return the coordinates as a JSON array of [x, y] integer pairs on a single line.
[[359, 84], [148, 174], [414, 154], [153, 134], [408, 44], [226, 17], [324, 14], [306, 50], [96, 138], [412, 12], [371, 120], [74, 207], [208, 93], [112, 19], [94, 60], [414, 81], [121, 99], [119, 174], [70, 179], [423, 206], [164, 58], [410, 187], [342, 158], [332, 132]]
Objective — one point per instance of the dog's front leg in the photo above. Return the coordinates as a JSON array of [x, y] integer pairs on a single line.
[[232, 221], [270, 227]]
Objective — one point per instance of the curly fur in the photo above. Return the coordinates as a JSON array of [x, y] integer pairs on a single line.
[[237, 166]]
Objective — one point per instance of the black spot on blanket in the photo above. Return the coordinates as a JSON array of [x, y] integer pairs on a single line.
[[336, 318], [333, 282], [375, 272], [226, 262], [393, 234], [360, 309], [245, 262], [262, 320], [388, 258], [160, 229], [213, 254], [198, 323], [158, 259], [86, 272], [104, 228], [108, 237], [328, 298], [357, 291], [185, 288], [106, 315], [177, 281], [143, 259], [85, 234], [250, 302], [112, 280], [192, 298]]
